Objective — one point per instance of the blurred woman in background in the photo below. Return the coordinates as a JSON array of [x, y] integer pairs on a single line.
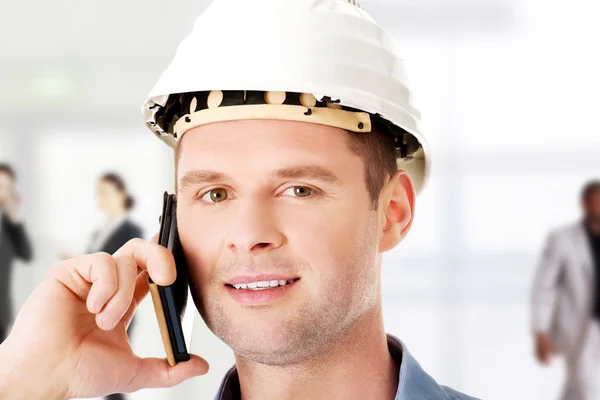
[[115, 202]]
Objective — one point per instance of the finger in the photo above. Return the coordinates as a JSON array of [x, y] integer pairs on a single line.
[[119, 303], [141, 291], [155, 259], [156, 373], [154, 238], [92, 277]]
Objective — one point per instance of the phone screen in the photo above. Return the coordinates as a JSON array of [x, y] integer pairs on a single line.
[[170, 301]]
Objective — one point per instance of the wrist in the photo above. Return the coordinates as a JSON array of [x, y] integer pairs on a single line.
[[20, 382]]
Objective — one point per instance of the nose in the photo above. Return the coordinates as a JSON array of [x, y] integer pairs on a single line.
[[255, 229]]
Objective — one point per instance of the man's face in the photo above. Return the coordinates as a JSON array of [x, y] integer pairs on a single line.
[[281, 203], [592, 207], [6, 188]]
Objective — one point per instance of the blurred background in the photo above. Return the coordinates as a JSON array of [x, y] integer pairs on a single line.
[[509, 91]]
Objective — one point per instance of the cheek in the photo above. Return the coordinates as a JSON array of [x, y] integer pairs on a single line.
[[330, 241], [202, 236]]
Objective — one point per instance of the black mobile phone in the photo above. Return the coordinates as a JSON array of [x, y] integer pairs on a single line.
[[170, 301]]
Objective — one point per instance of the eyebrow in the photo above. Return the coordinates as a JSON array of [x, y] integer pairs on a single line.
[[199, 177], [312, 172]]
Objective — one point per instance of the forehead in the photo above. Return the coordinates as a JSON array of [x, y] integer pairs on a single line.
[[262, 142], [105, 185]]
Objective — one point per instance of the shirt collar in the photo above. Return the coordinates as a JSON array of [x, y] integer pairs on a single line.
[[414, 382]]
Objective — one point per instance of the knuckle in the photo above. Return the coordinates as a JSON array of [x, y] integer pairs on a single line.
[[136, 242], [126, 262], [103, 258]]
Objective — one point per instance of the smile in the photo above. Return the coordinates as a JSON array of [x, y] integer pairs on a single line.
[[262, 285]]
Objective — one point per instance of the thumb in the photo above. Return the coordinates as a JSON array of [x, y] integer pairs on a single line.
[[156, 373]]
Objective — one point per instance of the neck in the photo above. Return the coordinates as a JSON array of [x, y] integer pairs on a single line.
[[114, 215], [357, 366]]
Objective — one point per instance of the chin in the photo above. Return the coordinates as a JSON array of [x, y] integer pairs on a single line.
[[269, 340], [264, 348]]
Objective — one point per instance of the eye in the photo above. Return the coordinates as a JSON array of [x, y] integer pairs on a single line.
[[215, 195], [299, 191]]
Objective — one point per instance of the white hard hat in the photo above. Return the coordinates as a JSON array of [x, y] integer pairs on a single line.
[[320, 61]]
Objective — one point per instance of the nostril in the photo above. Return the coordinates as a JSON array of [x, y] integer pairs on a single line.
[[261, 246]]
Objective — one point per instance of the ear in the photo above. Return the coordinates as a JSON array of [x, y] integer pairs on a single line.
[[397, 207]]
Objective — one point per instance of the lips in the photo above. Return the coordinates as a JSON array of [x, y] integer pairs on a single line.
[[249, 279], [263, 285], [261, 289]]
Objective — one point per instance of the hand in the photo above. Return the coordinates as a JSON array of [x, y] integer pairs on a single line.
[[543, 348], [69, 339]]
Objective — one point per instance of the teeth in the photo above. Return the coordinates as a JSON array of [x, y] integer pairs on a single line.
[[262, 285]]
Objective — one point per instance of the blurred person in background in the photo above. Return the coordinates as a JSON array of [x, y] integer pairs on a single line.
[[566, 300], [14, 243], [115, 202]]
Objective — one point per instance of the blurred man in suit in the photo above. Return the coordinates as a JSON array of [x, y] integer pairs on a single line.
[[566, 300], [14, 243]]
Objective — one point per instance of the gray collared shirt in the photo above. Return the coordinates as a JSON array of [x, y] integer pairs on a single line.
[[414, 382]]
